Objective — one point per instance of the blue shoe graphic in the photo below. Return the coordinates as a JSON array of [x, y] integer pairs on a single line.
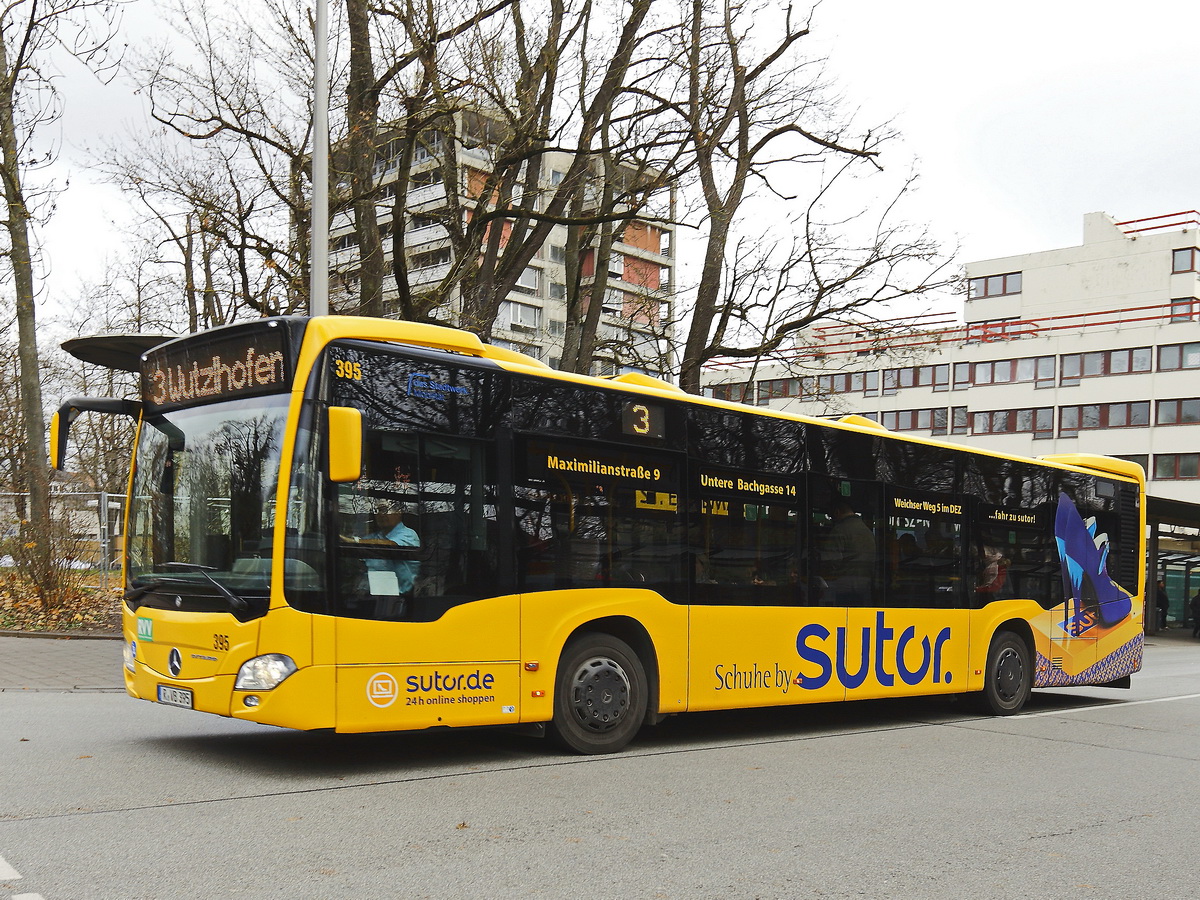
[[1085, 567]]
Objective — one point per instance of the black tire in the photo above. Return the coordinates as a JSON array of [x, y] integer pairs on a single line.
[[600, 695], [1008, 677]]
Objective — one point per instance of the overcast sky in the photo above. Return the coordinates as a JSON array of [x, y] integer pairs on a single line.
[[1022, 117], [1027, 115]]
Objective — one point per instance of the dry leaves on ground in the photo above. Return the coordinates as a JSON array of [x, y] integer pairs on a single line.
[[87, 611]]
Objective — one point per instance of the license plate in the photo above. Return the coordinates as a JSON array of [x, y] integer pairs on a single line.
[[173, 696]]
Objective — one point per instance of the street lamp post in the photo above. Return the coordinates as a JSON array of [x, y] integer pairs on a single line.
[[318, 294]]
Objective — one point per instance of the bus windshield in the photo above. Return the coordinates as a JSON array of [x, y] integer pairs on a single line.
[[202, 508]]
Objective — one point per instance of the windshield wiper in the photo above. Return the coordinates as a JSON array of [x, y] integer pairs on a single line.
[[138, 591], [236, 603]]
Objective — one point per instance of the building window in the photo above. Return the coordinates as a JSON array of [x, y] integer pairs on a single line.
[[959, 420], [936, 377], [847, 383], [529, 281], [995, 285], [1178, 412], [777, 389], [997, 330], [871, 384], [1176, 466], [1038, 422], [1104, 362], [1183, 260], [1038, 369], [521, 316], [1073, 419], [912, 419], [558, 254], [1183, 309], [431, 259], [734, 391], [558, 291], [1179, 356], [1141, 459]]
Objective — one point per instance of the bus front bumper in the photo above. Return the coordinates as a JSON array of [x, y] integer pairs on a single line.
[[304, 700]]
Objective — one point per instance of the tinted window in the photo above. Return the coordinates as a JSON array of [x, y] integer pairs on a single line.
[[597, 515]]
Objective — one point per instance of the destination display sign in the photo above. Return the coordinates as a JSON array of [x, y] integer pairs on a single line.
[[759, 486], [207, 369], [595, 463]]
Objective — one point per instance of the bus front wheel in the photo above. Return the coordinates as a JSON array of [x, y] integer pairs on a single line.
[[1008, 677], [600, 695]]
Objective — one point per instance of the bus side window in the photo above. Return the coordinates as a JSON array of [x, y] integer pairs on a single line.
[[846, 540], [925, 541]]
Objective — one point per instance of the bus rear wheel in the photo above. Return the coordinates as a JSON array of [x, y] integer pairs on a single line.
[[600, 695], [1008, 677]]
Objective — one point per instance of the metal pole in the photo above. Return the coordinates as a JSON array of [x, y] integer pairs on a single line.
[[102, 510], [318, 294]]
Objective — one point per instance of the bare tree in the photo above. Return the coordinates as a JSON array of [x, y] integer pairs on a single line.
[[756, 112], [219, 229], [235, 82], [34, 36]]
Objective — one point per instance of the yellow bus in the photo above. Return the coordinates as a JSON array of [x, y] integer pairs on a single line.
[[366, 525]]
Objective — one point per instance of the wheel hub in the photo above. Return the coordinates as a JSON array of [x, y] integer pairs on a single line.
[[1009, 675], [600, 694]]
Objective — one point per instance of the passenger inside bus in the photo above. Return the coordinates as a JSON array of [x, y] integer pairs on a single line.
[[992, 575], [849, 556], [390, 573]]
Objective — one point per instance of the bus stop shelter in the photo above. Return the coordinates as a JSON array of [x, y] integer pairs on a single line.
[[1172, 553]]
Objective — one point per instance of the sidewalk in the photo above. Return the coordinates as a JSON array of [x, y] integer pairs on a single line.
[[44, 663]]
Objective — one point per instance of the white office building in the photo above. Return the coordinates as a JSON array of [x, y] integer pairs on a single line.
[[1088, 349]]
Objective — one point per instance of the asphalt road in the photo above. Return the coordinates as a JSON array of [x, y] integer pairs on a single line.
[[1089, 794]]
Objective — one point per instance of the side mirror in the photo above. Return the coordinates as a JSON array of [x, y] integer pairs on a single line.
[[345, 443], [60, 423]]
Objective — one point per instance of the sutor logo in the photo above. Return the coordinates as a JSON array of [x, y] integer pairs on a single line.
[[382, 690], [878, 650]]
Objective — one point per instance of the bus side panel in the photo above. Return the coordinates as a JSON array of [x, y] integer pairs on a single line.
[[305, 699], [904, 652], [1081, 650], [461, 669], [985, 622], [743, 656], [549, 618]]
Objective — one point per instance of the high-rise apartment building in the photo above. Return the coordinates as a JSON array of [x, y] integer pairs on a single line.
[[638, 298]]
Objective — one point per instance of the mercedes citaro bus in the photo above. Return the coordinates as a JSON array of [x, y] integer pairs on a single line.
[[368, 525]]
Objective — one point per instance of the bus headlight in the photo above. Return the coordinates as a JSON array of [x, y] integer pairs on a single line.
[[264, 673], [130, 654]]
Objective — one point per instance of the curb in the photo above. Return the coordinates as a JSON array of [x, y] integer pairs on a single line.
[[62, 635]]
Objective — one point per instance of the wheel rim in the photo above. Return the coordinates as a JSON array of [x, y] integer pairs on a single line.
[[1010, 675], [600, 694]]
